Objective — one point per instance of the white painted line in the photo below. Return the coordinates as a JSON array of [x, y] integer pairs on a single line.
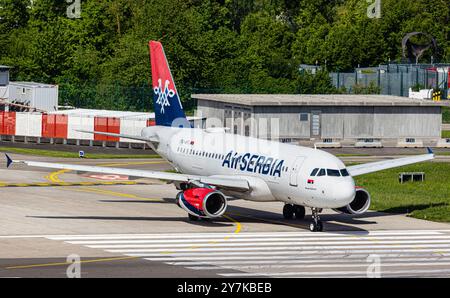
[[235, 239], [339, 273], [320, 249], [288, 260], [307, 266], [246, 234], [293, 252], [288, 256], [300, 244], [273, 256]]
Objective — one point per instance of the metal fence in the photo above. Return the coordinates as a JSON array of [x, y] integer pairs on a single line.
[[393, 79]]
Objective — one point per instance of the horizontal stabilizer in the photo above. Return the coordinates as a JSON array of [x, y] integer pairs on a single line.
[[125, 136]]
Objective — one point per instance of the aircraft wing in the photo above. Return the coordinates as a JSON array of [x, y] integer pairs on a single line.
[[220, 182], [388, 164]]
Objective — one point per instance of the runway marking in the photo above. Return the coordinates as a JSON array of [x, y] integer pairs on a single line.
[[54, 177], [297, 254], [289, 260], [242, 239], [281, 254], [277, 243], [82, 183], [340, 273], [441, 247], [69, 263], [246, 234], [304, 266]]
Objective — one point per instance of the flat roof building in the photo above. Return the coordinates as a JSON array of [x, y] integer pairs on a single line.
[[325, 118]]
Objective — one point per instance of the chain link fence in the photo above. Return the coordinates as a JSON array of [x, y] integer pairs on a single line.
[[394, 79]]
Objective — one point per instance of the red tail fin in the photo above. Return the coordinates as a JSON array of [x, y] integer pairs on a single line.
[[166, 102]]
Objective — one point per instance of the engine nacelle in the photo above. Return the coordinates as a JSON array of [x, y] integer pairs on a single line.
[[202, 202], [360, 203]]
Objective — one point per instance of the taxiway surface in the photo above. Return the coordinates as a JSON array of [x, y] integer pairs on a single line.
[[125, 227]]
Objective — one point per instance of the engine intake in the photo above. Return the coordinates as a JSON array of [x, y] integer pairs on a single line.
[[359, 205], [202, 202]]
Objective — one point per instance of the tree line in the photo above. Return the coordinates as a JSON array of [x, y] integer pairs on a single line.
[[100, 60]]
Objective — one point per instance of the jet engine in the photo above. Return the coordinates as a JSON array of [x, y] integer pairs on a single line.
[[359, 205], [202, 202]]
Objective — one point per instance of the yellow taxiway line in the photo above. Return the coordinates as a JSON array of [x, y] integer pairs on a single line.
[[54, 177]]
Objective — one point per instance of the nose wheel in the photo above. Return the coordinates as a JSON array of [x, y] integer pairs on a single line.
[[316, 225]]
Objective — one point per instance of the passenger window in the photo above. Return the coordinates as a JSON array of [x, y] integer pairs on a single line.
[[344, 173], [314, 172], [321, 172], [333, 173]]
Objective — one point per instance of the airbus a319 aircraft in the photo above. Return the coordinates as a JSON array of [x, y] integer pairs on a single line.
[[214, 165]]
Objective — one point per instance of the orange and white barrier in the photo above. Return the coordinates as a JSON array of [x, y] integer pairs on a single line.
[[59, 126]]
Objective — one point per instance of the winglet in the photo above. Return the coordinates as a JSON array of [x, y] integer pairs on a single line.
[[9, 161], [430, 151]]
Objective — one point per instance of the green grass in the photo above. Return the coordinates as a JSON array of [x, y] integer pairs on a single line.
[[446, 134], [64, 154], [428, 200], [445, 114]]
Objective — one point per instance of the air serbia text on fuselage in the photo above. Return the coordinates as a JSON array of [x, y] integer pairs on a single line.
[[253, 163]]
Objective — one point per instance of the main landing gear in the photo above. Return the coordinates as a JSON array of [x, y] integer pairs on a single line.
[[316, 225], [290, 210]]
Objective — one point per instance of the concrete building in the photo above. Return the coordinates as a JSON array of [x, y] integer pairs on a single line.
[[327, 120]]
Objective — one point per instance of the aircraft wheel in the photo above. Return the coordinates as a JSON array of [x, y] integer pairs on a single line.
[[316, 227], [299, 212], [192, 217], [319, 226], [288, 211]]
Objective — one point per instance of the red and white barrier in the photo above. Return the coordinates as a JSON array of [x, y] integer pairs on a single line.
[[8, 123], [131, 127], [60, 126], [28, 124], [75, 123]]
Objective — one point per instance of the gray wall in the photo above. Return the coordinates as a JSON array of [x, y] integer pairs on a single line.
[[344, 122]]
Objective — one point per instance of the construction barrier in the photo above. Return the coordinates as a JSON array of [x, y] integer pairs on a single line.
[[106, 124], [54, 126], [67, 127], [8, 123]]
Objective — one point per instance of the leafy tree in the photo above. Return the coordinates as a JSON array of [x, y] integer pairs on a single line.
[[230, 46]]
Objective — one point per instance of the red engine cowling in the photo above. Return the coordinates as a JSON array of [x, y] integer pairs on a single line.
[[202, 202]]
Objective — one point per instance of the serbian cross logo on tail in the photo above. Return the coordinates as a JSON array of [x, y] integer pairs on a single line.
[[163, 95], [166, 102]]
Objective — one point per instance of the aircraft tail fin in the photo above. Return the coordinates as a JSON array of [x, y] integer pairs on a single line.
[[166, 101]]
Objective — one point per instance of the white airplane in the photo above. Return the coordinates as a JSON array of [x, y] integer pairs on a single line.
[[214, 166]]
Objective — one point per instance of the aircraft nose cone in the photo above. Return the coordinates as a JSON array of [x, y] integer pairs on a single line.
[[345, 192]]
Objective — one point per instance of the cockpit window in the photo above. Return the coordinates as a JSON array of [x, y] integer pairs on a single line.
[[321, 172], [333, 173], [314, 172], [344, 173]]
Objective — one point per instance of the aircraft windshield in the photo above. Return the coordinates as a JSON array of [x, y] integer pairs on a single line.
[[314, 172], [333, 173], [344, 173]]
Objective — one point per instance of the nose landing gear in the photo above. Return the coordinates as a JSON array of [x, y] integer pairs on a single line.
[[316, 225]]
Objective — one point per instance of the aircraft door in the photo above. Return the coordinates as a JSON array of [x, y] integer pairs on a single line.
[[295, 170]]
